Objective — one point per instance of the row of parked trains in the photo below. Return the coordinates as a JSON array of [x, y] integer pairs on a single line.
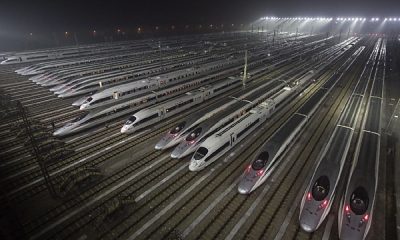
[[157, 83]]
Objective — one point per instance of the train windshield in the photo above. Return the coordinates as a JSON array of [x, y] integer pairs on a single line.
[[89, 99], [359, 201], [131, 120], [193, 135], [261, 161], [200, 153], [80, 117], [178, 128], [321, 188]]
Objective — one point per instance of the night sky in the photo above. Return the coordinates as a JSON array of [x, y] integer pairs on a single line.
[[38, 15]]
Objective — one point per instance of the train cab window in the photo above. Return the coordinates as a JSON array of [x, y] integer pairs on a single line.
[[89, 99], [193, 135], [321, 188], [359, 201], [131, 119], [261, 161], [80, 117], [200, 153], [178, 128]]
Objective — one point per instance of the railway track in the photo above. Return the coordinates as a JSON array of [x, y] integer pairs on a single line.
[[118, 138], [110, 178], [177, 179], [158, 201], [145, 178]]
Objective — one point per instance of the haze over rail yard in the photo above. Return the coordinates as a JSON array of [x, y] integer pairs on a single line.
[[283, 127]]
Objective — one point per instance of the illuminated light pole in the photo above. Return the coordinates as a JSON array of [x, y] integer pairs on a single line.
[[245, 68], [348, 33]]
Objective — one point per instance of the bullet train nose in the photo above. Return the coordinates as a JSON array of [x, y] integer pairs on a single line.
[[192, 167], [59, 132], [195, 166], [175, 155], [83, 107], [164, 143], [306, 227], [158, 146], [244, 186], [244, 191], [125, 129]]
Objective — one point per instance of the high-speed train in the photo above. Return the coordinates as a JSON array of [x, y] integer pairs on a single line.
[[267, 158], [60, 53], [77, 75], [68, 74], [218, 144], [321, 191], [132, 89], [357, 205], [203, 125], [179, 132], [102, 115], [129, 90], [43, 67], [228, 115], [90, 73], [156, 113], [173, 77]]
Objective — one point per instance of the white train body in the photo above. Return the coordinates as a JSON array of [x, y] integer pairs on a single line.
[[147, 117], [215, 146]]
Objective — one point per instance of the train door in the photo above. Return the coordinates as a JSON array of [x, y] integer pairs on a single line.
[[233, 138], [162, 113]]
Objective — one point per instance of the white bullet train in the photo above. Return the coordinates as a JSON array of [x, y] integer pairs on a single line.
[[216, 145], [191, 126], [143, 67], [91, 85], [321, 191], [156, 113], [70, 52], [129, 90], [268, 156], [103, 115], [132, 89], [67, 74], [42, 67], [357, 205]]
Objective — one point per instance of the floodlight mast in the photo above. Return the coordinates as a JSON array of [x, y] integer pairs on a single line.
[[245, 68]]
